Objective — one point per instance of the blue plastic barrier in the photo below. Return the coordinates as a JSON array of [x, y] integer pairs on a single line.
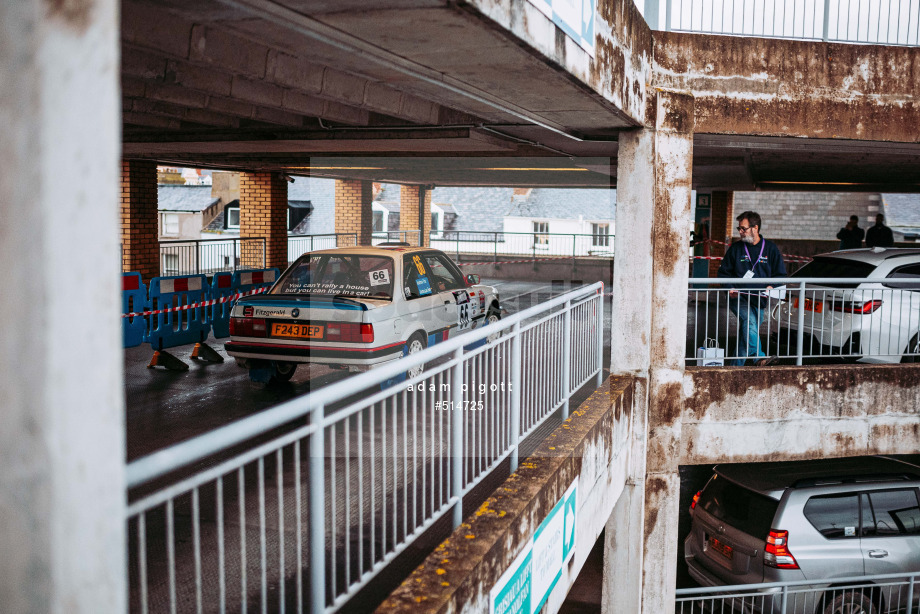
[[244, 281], [219, 313], [133, 300], [178, 327]]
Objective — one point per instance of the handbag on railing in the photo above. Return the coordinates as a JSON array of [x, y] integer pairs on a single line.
[[710, 354]]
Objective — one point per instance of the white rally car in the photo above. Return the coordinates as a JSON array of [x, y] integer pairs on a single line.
[[356, 308]]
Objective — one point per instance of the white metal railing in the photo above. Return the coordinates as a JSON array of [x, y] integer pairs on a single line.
[[878, 593], [304, 504], [491, 245], [876, 320], [890, 22], [389, 236], [206, 256], [301, 244]]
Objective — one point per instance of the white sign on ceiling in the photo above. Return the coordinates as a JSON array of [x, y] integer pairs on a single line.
[[575, 17]]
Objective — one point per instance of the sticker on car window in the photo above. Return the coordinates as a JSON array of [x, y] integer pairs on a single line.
[[419, 265], [379, 278], [423, 285]]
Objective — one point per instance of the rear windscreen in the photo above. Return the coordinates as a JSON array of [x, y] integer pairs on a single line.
[[836, 268], [345, 275], [738, 507]]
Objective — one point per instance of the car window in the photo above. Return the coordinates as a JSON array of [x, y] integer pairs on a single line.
[[738, 507], [444, 275], [417, 277], [339, 275], [894, 512], [835, 268], [911, 271], [834, 516]]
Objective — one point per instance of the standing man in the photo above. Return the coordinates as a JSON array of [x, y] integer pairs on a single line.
[[752, 256], [879, 235], [851, 235]]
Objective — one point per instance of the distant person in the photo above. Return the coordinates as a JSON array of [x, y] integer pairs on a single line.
[[851, 235], [752, 256], [879, 235]]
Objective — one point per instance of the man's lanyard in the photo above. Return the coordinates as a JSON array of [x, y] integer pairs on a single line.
[[754, 264]]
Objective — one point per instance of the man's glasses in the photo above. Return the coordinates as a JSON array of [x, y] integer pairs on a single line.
[[744, 228]]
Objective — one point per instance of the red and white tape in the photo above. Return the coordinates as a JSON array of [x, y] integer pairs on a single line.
[[787, 257], [515, 261], [224, 299]]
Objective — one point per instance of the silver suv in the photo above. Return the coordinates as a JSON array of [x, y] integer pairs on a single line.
[[822, 520]]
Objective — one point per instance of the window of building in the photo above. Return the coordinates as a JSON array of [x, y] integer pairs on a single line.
[[378, 221], [170, 264], [233, 217], [171, 224], [437, 221], [541, 234], [600, 235]]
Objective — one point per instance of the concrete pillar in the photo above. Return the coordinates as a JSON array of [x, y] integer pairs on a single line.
[[62, 443], [415, 213], [354, 213], [723, 225], [140, 246], [263, 214], [650, 301]]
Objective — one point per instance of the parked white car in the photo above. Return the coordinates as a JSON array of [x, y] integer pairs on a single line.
[[873, 321], [356, 308]]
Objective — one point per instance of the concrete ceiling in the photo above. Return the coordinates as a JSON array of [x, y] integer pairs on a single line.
[[412, 91]]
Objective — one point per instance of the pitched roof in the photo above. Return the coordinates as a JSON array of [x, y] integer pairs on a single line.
[[566, 203], [902, 210], [190, 198], [481, 209]]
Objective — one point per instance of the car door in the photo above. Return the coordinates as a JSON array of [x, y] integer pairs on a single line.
[[424, 304], [891, 532], [902, 323], [457, 305]]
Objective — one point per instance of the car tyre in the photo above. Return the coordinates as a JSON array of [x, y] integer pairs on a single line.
[[283, 372], [415, 344], [850, 601], [493, 316], [913, 348]]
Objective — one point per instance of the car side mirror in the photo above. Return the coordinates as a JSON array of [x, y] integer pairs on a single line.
[[473, 279]]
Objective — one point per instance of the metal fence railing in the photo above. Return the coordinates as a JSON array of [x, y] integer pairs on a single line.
[[879, 593], [302, 505], [404, 236], [890, 22], [875, 320], [301, 244], [206, 256], [491, 245]]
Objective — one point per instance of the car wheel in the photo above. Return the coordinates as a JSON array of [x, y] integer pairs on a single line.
[[283, 372], [493, 316], [912, 353], [850, 601], [415, 344]]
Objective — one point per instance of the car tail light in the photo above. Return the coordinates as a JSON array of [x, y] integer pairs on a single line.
[[350, 332], [247, 327], [696, 498], [777, 554], [860, 308]]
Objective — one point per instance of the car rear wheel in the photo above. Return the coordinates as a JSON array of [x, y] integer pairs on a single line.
[[415, 345], [912, 353], [850, 601], [283, 372]]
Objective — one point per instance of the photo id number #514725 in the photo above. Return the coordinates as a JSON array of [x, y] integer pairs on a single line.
[[461, 405]]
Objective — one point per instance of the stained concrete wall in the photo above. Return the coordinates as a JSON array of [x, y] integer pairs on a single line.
[[592, 447], [622, 66], [761, 86], [798, 413]]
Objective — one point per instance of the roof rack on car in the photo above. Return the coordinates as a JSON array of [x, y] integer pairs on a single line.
[[854, 479]]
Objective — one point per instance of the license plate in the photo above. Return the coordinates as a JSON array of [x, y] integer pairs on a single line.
[[723, 549], [297, 331], [810, 305]]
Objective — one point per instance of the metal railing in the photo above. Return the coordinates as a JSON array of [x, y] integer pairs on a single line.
[[875, 320], [302, 505], [524, 244], [405, 236], [205, 256], [878, 593], [301, 244], [890, 22]]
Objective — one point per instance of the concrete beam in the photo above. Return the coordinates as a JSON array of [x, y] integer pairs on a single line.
[[774, 87], [798, 413]]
